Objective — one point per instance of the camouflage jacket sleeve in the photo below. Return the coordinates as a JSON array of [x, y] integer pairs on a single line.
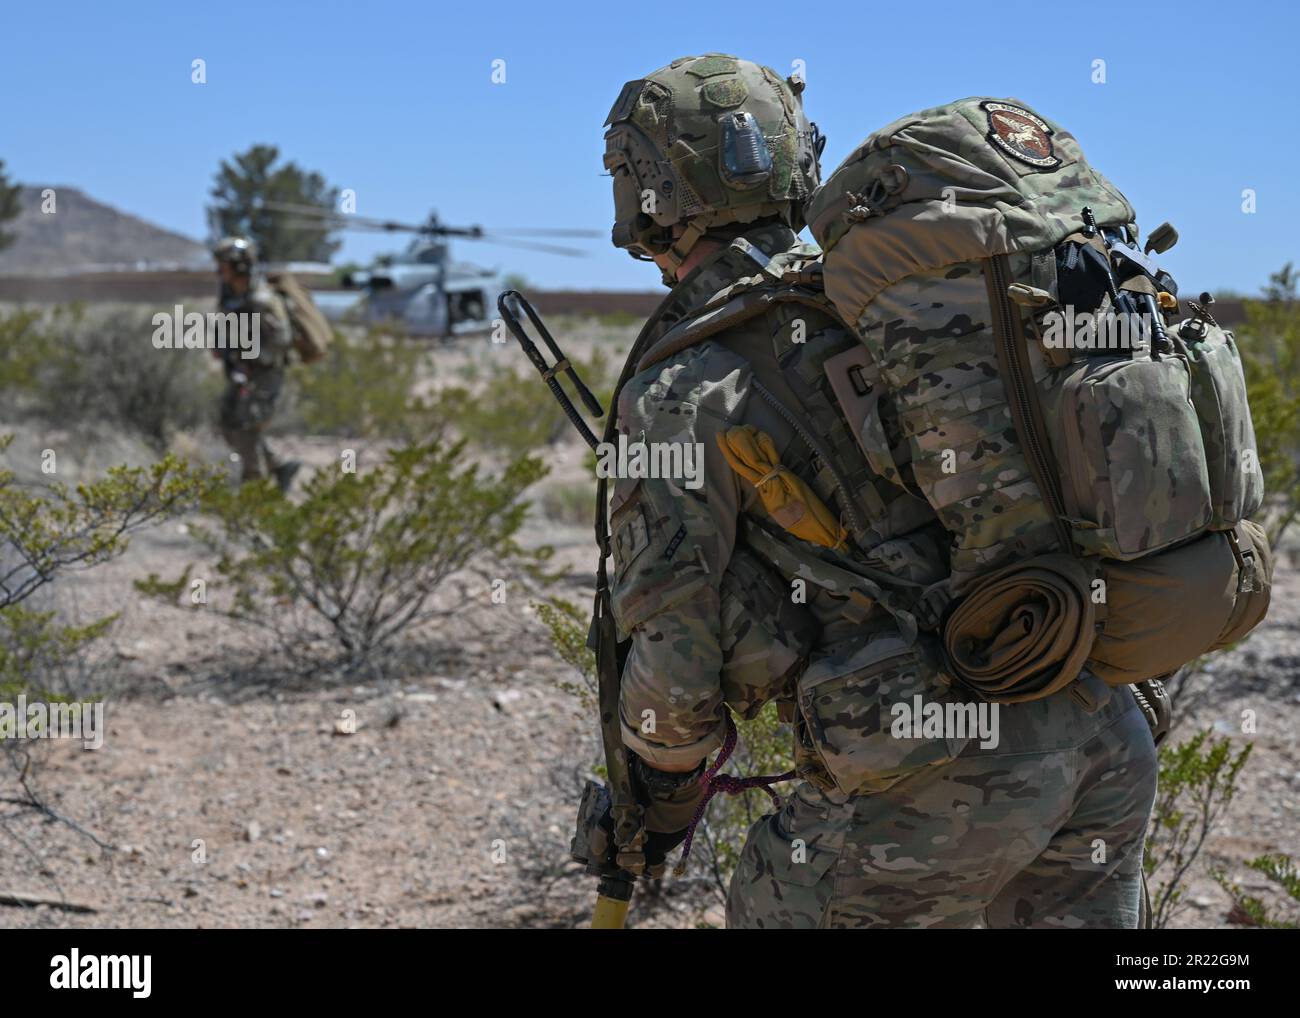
[[673, 537]]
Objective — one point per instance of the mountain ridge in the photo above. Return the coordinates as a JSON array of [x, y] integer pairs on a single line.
[[84, 234]]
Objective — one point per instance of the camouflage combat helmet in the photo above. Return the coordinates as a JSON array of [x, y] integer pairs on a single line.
[[239, 251], [704, 142]]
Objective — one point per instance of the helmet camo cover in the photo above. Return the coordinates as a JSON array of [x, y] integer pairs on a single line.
[[707, 140]]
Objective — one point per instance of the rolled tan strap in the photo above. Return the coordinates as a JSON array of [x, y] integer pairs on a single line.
[[1024, 631]]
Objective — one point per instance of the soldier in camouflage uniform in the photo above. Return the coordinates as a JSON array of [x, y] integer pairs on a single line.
[[724, 608], [252, 384]]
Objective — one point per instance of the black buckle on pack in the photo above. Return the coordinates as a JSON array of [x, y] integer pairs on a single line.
[[1245, 563], [932, 606]]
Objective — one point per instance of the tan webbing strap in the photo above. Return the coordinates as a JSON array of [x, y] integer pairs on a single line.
[[682, 246]]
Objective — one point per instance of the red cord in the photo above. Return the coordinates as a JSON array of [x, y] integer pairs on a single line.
[[714, 783]]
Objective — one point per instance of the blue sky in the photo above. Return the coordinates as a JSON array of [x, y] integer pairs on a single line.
[[395, 100]]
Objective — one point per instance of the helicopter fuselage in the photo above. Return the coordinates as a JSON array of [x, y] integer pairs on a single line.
[[421, 298]]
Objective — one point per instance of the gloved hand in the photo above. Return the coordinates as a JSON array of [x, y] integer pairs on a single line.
[[669, 800]]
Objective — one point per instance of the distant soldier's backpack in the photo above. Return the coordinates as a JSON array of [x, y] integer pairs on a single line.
[[1088, 446], [311, 330]]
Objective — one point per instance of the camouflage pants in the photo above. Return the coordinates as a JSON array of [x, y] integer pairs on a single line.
[[1044, 830], [246, 409]]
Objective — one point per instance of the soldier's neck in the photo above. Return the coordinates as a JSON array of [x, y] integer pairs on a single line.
[[699, 253]]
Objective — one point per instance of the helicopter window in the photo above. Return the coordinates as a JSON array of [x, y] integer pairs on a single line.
[[466, 306]]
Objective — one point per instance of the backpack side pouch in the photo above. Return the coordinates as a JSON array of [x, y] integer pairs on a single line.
[[1218, 390], [875, 712], [1134, 470], [1165, 610], [1254, 582]]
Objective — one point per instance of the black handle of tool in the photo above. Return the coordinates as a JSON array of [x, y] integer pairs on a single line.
[[534, 355]]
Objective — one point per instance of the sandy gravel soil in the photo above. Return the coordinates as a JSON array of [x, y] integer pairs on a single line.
[[441, 793]]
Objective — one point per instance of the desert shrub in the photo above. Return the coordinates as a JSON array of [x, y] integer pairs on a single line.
[[512, 411], [620, 319], [360, 554], [1270, 344], [567, 627], [364, 388], [1248, 910], [38, 653], [71, 368], [50, 530], [369, 388], [23, 344], [1197, 783]]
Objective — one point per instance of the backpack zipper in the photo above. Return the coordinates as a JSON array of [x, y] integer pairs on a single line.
[[1015, 364], [841, 484]]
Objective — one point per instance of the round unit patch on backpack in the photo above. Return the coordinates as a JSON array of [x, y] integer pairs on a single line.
[[1021, 135]]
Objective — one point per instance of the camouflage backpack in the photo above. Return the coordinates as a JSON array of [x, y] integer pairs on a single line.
[[1089, 448], [311, 330]]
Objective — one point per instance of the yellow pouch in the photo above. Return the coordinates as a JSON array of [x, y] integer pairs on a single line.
[[796, 507]]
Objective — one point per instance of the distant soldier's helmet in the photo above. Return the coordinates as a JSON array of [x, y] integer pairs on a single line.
[[238, 251], [707, 141]]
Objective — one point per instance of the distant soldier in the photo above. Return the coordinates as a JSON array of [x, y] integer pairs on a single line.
[[253, 384]]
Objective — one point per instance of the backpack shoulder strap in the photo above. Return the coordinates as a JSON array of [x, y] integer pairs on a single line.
[[747, 298]]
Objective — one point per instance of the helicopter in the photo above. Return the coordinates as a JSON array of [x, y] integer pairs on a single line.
[[421, 290]]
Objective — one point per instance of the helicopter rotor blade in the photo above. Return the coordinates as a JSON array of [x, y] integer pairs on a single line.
[[312, 224], [311, 217], [570, 252], [544, 232], [348, 221], [342, 221], [299, 209]]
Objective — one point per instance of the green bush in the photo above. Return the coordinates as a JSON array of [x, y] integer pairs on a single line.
[[1197, 783], [363, 388], [765, 747], [573, 503], [512, 411], [23, 346], [36, 650], [567, 627], [1251, 911], [69, 367], [369, 388], [50, 530], [1270, 345], [363, 553]]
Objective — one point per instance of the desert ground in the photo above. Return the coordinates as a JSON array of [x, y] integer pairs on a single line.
[[231, 792]]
